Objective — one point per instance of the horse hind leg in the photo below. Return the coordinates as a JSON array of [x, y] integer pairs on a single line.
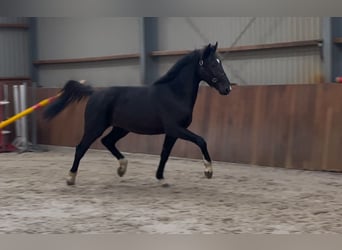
[[80, 151], [109, 142], [89, 136]]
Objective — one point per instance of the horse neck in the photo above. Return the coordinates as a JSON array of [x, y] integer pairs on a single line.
[[186, 85]]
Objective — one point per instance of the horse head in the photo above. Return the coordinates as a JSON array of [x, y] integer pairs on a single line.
[[211, 70]]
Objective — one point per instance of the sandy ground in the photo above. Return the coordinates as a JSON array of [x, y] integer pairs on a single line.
[[34, 197]]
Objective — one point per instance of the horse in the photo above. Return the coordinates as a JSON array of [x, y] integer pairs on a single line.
[[164, 107]]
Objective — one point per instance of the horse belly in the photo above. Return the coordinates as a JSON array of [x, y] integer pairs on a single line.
[[140, 120]]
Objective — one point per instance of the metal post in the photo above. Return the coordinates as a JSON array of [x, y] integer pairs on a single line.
[[16, 110], [149, 42], [34, 116], [327, 49], [23, 105], [6, 115]]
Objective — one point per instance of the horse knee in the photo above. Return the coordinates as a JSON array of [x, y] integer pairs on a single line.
[[201, 143], [105, 141]]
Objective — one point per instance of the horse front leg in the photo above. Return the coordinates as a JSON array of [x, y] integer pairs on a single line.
[[169, 142], [187, 135]]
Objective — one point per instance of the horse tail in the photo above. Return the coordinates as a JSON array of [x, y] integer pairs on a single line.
[[72, 91]]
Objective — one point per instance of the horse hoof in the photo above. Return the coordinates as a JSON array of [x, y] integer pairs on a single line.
[[123, 167], [121, 171], [208, 174], [70, 182], [163, 183], [72, 179]]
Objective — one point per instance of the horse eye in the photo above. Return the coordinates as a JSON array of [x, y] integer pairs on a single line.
[[218, 60]]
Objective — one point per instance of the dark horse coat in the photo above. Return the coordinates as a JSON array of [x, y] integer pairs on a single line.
[[164, 107]]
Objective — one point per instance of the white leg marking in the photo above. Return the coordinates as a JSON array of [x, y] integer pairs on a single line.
[[123, 167], [208, 171], [71, 178]]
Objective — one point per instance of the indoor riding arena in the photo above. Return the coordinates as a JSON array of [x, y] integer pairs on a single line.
[[249, 109]]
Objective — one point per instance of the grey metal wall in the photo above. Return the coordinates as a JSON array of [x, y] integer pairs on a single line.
[[14, 52], [298, 65], [66, 38]]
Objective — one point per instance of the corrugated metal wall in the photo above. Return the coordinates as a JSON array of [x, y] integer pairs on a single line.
[[14, 52], [185, 33], [296, 65], [65, 38], [286, 66]]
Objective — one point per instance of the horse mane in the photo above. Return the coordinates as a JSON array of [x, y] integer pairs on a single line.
[[173, 71]]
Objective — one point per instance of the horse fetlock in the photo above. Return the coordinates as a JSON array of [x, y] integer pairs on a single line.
[[123, 167], [71, 180], [208, 172], [159, 176]]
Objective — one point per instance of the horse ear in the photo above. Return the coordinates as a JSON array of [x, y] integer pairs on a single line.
[[206, 51], [215, 46]]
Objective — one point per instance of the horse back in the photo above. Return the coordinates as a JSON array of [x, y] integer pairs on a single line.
[[134, 109]]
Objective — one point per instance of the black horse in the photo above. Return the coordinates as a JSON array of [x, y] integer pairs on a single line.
[[164, 107]]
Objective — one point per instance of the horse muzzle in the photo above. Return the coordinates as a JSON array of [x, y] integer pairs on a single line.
[[224, 90]]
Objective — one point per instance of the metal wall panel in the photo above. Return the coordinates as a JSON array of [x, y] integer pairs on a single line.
[[16, 20], [296, 65], [14, 52], [100, 74], [301, 65], [189, 33], [65, 38]]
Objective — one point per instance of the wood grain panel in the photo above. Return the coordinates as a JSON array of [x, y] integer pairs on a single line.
[[13, 26], [290, 126]]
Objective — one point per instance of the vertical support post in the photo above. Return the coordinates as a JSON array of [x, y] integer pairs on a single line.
[[33, 24], [2, 103], [6, 95], [149, 42], [34, 115], [336, 31], [23, 120], [16, 110], [327, 48], [332, 53], [33, 48], [5, 146]]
